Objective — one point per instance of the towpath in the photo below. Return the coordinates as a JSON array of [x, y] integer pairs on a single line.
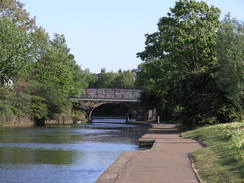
[[166, 162]]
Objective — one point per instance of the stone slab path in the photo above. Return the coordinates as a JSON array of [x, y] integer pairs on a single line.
[[166, 162]]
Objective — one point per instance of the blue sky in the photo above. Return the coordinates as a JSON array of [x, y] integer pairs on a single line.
[[109, 33]]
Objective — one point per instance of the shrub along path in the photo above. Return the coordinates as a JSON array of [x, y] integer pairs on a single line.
[[166, 162]]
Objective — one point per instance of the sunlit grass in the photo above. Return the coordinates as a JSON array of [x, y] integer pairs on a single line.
[[222, 159]]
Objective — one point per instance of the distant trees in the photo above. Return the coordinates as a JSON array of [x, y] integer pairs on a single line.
[[185, 64], [121, 79]]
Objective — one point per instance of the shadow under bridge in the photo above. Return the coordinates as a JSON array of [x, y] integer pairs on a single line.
[[108, 103]]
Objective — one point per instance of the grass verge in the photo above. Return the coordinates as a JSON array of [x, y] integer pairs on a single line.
[[222, 158]]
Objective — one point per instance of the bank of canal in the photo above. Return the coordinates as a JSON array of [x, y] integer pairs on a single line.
[[63, 155]]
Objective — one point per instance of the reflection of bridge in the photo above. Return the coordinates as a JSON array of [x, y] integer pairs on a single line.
[[92, 98]]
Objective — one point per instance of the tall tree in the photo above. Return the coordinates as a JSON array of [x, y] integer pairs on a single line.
[[16, 51], [57, 67], [186, 36], [14, 10], [182, 51], [230, 51]]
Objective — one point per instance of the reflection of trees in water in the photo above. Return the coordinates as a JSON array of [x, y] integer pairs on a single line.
[[13, 155], [59, 146]]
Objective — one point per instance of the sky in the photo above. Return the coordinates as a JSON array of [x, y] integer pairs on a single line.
[[109, 33]]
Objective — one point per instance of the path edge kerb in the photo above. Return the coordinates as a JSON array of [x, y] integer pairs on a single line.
[[116, 168]]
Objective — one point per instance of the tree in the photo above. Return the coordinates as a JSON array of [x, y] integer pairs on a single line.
[[104, 80], [16, 51], [14, 10], [91, 79], [125, 79], [57, 67], [184, 43], [55, 77], [186, 36], [120, 79], [181, 65], [230, 52], [156, 78]]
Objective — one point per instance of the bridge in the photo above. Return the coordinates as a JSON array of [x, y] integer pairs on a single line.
[[92, 98], [109, 95]]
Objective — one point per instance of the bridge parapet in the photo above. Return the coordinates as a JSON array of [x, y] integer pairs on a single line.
[[109, 93]]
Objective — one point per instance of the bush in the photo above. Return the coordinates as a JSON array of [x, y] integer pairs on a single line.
[[6, 109], [39, 110], [79, 116]]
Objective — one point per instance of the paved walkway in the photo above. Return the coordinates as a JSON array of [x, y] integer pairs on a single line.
[[166, 162]]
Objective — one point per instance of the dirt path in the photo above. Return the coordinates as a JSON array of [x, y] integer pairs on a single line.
[[166, 162]]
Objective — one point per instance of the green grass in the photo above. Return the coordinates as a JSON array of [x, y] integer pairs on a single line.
[[221, 160]]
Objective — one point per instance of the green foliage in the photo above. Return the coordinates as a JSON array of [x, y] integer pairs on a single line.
[[14, 10], [58, 68], [104, 80], [39, 110], [183, 44], [201, 101], [91, 79], [6, 109], [231, 60], [16, 51], [79, 116], [194, 64], [125, 79], [21, 102], [37, 75], [186, 36], [54, 99], [122, 79], [152, 78], [14, 104], [156, 77]]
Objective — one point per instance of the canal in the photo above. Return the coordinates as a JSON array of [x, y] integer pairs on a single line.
[[63, 155]]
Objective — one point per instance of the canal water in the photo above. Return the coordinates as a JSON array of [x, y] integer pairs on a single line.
[[63, 155]]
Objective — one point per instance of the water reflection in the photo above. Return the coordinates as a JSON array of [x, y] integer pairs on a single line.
[[50, 155]]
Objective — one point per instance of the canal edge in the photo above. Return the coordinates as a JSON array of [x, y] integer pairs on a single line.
[[116, 168]]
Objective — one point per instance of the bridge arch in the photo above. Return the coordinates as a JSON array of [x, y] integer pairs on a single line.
[[92, 98], [113, 110]]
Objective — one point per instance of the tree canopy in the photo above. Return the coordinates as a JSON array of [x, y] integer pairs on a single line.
[[185, 61], [121, 79], [16, 51]]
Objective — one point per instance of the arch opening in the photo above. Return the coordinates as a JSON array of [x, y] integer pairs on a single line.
[[110, 111]]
